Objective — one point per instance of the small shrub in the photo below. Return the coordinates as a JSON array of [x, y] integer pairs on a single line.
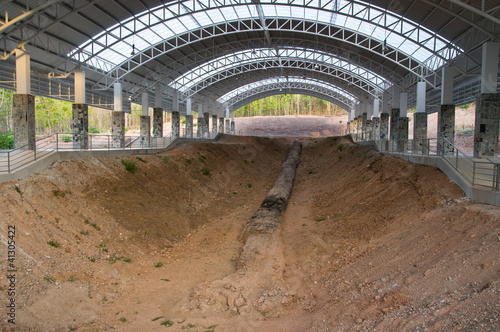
[[340, 147], [142, 160], [249, 185], [123, 319], [320, 219], [66, 138], [165, 159], [159, 264], [95, 226], [189, 161], [84, 232], [7, 141], [205, 171], [92, 259], [49, 279], [94, 130], [129, 165], [155, 319], [54, 244], [18, 190]]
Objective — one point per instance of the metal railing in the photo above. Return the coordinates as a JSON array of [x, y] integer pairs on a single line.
[[476, 171], [11, 160]]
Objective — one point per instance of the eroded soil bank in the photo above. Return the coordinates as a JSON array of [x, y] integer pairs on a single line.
[[368, 242]]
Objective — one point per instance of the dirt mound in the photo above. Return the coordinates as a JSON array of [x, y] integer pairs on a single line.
[[368, 242]]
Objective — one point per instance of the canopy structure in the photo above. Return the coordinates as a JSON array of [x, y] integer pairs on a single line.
[[208, 49]]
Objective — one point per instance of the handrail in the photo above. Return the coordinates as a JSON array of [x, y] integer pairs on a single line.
[[11, 160]]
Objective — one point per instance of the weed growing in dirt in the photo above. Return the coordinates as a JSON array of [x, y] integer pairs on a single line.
[[27, 212], [210, 328], [320, 219], [57, 220], [311, 171], [165, 279], [159, 264], [54, 244], [340, 147], [49, 279], [167, 323], [189, 161], [246, 162], [156, 318], [72, 278], [115, 189], [104, 299], [141, 160], [205, 171], [58, 193], [84, 232], [18, 190], [340, 156], [113, 259], [86, 222], [95, 226], [165, 159], [129, 165], [123, 319], [235, 193], [249, 185], [91, 259]]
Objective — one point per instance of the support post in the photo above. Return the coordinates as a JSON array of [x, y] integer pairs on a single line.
[[420, 132], [221, 125], [157, 122], [176, 122], [145, 124], [233, 125], [206, 132], [80, 126], [118, 119], [384, 126], [189, 126], [214, 125], [446, 129]]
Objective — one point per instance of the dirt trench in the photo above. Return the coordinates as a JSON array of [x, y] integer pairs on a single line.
[[367, 242]]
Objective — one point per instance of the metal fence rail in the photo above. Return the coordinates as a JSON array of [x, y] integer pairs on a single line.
[[11, 160]]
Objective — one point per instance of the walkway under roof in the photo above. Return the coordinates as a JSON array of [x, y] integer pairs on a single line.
[[232, 51]]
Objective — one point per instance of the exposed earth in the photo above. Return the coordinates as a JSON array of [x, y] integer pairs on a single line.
[[368, 243]]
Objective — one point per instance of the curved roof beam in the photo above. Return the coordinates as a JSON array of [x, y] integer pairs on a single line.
[[359, 23], [201, 57], [215, 70], [285, 85]]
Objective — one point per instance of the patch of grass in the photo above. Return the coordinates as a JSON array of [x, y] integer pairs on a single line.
[[141, 160], [249, 185], [123, 319], [320, 219], [104, 299], [167, 323], [127, 260], [165, 280], [339, 156], [129, 165], [95, 226], [66, 138], [57, 220], [115, 189], [201, 160], [235, 193], [340, 147], [205, 171], [246, 162], [54, 244], [86, 222], [92, 259], [101, 245], [113, 259], [58, 193], [188, 161], [311, 171], [159, 264], [49, 279], [85, 232], [72, 278], [156, 318], [165, 159]]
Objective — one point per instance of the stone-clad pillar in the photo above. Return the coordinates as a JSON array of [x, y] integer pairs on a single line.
[[176, 123], [214, 124], [228, 126], [394, 124], [233, 127], [486, 128], [368, 130], [23, 114], [402, 134], [384, 126], [118, 129], [446, 129], [189, 126], [80, 126], [355, 125], [420, 132], [221, 125], [364, 125], [360, 125], [145, 130], [157, 122], [206, 132], [376, 128]]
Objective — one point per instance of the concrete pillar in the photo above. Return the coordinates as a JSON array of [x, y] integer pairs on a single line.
[[189, 126], [384, 126], [368, 130], [200, 120], [359, 129], [364, 119], [228, 126], [157, 122], [206, 132], [420, 132], [375, 128], [145, 124], [355, 125], [221, 125], [446, 128], [403, 122], [145, 130], [118, 129], [23, 111], [394, 124], [487, 104], [233, 125], [486, 129], [118, 119], [214, 124], [23, 115], [176, 123], [80, 126]]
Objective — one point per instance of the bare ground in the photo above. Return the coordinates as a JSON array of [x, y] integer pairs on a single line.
[[367, 243]]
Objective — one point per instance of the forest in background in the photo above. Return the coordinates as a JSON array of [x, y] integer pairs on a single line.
[[55, 116]]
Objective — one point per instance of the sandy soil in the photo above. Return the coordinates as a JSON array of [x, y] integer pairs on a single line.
[[368, 243]]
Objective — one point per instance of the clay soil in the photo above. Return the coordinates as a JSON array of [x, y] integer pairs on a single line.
[[368, 243]]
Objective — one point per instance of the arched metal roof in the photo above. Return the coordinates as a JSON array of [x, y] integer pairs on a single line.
[[146, 43]]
